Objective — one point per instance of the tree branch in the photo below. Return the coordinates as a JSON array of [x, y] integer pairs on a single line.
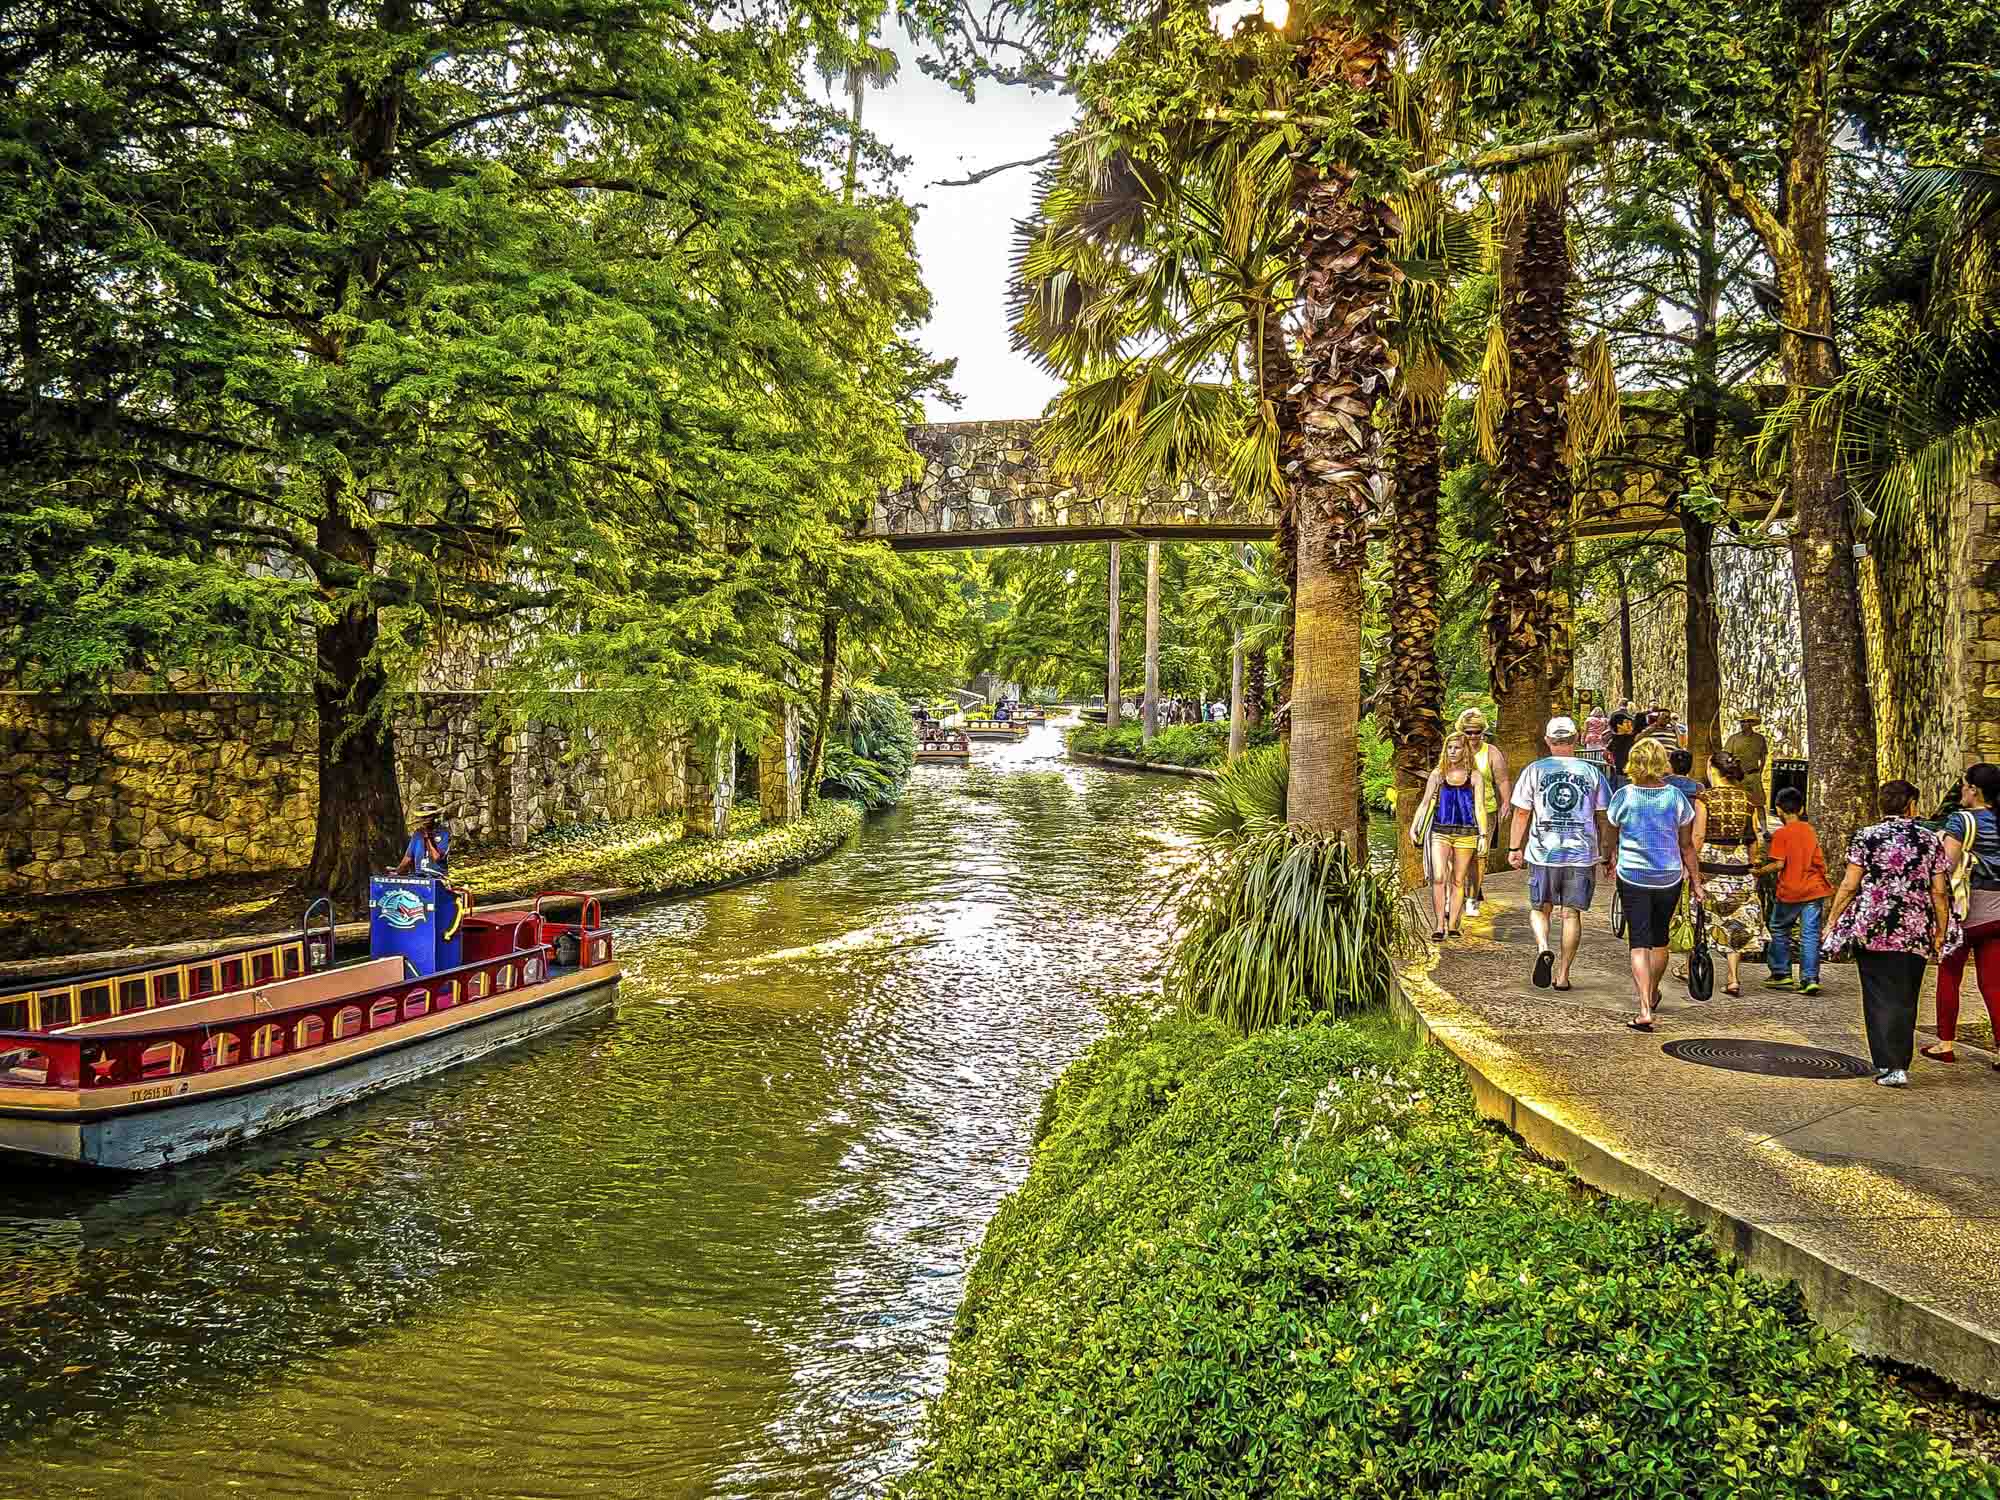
[[1005, 166]]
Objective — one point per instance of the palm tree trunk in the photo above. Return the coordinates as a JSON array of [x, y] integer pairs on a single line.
[[1236, 724], [1277, 374], [1152, 709], [1523, 626], [1346, 280], [1255, 688], [1410, 707], [1112, 701]]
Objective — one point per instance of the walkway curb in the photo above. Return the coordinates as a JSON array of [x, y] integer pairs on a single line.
[[610, 898], [1119, 763], [1873, 1319]]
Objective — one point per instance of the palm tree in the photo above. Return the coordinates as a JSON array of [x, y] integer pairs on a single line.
[[1242, 587], [1347, 368]]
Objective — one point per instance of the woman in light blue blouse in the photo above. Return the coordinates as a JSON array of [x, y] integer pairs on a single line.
[[1652, 854]]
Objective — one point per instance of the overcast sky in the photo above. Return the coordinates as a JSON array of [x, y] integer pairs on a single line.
[[964, 233]]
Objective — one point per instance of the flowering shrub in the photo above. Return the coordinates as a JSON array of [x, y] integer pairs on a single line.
[[1297, 1264]]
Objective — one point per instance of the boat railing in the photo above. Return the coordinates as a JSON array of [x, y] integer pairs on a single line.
[[171, 1055], [73, 998]]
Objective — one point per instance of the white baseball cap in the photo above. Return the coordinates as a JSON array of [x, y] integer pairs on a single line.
[[1561, 728]]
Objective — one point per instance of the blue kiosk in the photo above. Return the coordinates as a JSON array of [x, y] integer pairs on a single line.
[[416, 916]]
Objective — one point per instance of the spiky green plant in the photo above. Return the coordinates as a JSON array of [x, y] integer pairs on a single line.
[[1279, 925]]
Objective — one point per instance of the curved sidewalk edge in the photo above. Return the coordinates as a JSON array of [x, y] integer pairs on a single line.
[[1874, 1319], [1119, 763]]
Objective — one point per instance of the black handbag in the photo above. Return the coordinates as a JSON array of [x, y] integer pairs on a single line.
[[1701, 963], [1617, 911]]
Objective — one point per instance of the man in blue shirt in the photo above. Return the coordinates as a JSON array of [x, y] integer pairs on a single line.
[[429, 852]]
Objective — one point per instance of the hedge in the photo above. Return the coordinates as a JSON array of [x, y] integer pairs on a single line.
[[1202, 745], [653, 856], [1298, 1265]]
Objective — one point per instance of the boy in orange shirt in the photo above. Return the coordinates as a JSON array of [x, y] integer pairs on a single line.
[[1802, 885]]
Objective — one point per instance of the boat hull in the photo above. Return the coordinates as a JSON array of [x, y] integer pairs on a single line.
[[138, 1136], [1011, 735]]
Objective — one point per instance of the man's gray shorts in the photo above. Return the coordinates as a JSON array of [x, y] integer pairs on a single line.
[[1562, 885]]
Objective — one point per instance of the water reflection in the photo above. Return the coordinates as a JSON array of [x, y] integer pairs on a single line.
[[712, 1245]]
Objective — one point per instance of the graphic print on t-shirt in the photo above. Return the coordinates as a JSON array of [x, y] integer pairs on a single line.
[[1565, 795]]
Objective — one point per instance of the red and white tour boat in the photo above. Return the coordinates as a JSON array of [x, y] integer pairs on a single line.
[[134, 1068]]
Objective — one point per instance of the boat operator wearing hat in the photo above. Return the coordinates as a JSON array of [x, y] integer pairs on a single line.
[[1752, 750], [430, 846]]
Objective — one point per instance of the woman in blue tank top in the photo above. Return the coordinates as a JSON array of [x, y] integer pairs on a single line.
[[1450, 828]]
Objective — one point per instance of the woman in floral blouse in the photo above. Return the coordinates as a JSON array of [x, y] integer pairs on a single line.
[[1891, 911]]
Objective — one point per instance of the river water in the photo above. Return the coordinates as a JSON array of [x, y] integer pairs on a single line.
[[711, 1246]]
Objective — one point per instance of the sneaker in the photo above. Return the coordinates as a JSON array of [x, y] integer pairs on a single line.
[[1472, 908], [1810, 987], [1781, 982], [1894, 1078]]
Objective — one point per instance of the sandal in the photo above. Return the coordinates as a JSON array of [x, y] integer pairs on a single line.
[[1438, 936], [1734, 992], [1645, 1026], [1545, 967], [1937, 1052], [1562, 987]]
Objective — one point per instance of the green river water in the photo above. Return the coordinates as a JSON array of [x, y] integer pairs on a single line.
[[710, 1246]]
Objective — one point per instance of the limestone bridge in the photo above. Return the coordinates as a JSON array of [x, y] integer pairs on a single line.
[[983, 486]]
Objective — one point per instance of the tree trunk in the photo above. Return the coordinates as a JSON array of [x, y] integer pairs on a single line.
[[1703, 635], [1255, 688], [829, 661], [1345, 283], [1625, 638], [360, 829], [1410, 706], [1523, 624], [1277, 378], [1112, 698], [1152, 707], [1237, 726], [1840, 721]]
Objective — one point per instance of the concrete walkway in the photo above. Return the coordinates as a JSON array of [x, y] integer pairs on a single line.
[[1884, 1204]]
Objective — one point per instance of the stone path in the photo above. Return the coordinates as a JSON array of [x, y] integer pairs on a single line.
[[1884, 1204]]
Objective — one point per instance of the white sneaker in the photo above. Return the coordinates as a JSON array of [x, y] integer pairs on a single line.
[[1895, 1078], [1472, 908]]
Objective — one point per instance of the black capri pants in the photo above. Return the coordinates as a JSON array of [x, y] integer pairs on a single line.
[[1649, 912]]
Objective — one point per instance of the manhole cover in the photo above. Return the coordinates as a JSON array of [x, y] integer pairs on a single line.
[[1772, 1059]]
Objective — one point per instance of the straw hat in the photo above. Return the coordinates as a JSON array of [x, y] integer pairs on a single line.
[[1472, 718], [1747, 715], [428, 811]]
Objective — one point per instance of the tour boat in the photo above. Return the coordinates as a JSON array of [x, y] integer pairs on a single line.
[[991, 729], [943, 747], [134, 1068]]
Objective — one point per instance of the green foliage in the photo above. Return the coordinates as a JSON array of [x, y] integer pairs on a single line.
[[871, 758], [1378, 771], [1281, 924], [1200, 745], [1247, 795], [758, 849], [1297, 1265], [391, 325]]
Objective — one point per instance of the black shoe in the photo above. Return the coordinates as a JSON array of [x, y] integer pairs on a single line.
[[1545, 969]]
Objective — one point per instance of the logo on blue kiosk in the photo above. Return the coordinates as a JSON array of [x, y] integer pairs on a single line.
[[401, 909]]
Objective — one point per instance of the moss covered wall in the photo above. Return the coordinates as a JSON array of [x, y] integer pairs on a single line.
[[174, 786]]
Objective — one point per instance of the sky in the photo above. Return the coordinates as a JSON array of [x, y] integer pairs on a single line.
[[964, 234]]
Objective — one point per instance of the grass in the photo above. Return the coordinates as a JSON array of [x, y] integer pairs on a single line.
[[1205, 746], [1297, 1264]]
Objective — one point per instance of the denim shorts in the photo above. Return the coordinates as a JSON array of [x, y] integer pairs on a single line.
[[1573, 886]]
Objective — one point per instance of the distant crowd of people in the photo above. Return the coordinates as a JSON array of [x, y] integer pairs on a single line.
[[1701, 866]]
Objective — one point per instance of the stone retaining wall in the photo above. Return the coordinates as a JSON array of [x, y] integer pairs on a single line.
[[176, 786]]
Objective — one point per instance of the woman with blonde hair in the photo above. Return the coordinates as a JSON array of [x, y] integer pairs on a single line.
[[1451, 828], [1652, 853]]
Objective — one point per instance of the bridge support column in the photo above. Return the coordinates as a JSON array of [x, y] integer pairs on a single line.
[[711, 783], [1111, 694], [1152, 640], [780, 778]]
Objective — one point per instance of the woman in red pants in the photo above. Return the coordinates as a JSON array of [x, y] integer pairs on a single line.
[[1972, 844]]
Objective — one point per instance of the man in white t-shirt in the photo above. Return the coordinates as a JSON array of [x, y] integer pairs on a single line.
[[1559, 804]]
